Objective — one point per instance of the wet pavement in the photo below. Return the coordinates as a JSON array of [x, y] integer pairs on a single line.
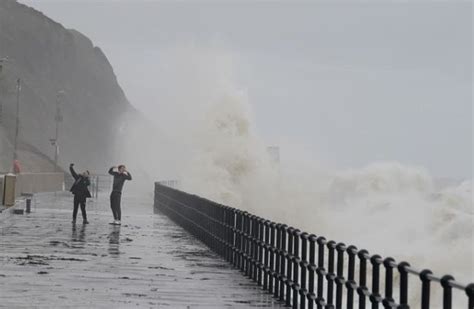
[[148, 262]]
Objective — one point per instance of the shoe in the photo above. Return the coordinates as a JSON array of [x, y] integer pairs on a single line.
[[113, 222], [85, 222], [117, 222]]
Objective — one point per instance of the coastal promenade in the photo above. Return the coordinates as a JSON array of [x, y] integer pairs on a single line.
[[148, 262]]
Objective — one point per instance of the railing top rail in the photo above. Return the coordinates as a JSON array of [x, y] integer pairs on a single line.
[[424, 274]]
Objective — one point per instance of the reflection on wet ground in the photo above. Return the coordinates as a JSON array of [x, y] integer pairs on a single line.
[[147, 262], [78, 238], [114, 240]]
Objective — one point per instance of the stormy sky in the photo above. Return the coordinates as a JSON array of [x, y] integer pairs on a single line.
[[349, 82]]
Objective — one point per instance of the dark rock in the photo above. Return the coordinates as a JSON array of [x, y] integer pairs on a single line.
[[49, 58]]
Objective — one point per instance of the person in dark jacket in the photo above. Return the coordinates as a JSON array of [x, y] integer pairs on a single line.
[[115, 197], [81, 193]]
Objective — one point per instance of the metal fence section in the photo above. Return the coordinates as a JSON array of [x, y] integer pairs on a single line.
[[99, 183], [301, 269]]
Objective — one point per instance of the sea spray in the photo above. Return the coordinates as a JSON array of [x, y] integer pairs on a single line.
[[387, 207]]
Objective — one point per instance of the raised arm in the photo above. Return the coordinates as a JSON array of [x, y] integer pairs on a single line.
[[73, 172], [111, 171], [129, 177]]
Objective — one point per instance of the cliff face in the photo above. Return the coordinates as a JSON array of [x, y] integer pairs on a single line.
[[49, 58]]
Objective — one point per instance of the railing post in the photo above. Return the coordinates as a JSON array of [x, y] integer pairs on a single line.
[[283, 279], [403, 285], [340, 280], [260, 253], [245, 263], [214, 228], [256, 243], [227, 232], [235, 235], [266, 255], [304, 270], [296, 286], [350, 283], [447, 291], [388, 301], [320, 301], [278, 256], [362, 289], [244, 242], [232, 235], [312, 270], [470, 294], [375, 298], [215, 231], [331, 276], [218, 231], [208, 223], [250, 247], [238, 238], [224, 231], [289, 266], [273, 257], [221, 232], [425, 288]]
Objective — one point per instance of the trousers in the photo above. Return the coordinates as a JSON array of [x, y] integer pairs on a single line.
[[78, 200], [115, 198]]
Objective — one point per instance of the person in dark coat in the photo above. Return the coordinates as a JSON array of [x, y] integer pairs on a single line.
[[81, 193], [115, 197]]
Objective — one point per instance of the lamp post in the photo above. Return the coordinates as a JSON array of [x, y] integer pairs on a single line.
[[58, 118], [2, 61], [17, 122]]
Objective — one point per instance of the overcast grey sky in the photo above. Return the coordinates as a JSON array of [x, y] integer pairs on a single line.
[[351, 82]]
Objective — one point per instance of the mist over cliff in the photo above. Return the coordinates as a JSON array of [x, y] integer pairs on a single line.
[[48, 58]]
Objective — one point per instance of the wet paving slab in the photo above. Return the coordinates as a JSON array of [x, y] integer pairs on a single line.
[[148, 262]]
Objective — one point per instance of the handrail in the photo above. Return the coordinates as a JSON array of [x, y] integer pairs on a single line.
[[300, 269]]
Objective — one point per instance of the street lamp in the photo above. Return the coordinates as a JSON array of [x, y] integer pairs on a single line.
[[17, 122], [2, 61], [58, 118]]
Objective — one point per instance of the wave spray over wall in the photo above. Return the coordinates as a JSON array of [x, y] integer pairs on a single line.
[[386, 207]]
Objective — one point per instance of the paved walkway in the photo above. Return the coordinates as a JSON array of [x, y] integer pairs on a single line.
[[149, 262]]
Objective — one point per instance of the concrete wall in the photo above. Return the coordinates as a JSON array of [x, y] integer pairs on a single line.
[[39, 182], [9, 186]]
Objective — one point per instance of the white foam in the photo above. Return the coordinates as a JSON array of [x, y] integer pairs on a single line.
[[386, 207]]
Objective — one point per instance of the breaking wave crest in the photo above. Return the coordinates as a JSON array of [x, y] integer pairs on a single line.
[[390, 208]]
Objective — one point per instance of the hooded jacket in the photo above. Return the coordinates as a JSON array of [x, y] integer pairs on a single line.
[[79, 188]]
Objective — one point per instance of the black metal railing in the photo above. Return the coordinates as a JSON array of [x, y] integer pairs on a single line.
[[300, 269]]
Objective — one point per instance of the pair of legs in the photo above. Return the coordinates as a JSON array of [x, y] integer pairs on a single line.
[[115, 198], [78, 200]]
